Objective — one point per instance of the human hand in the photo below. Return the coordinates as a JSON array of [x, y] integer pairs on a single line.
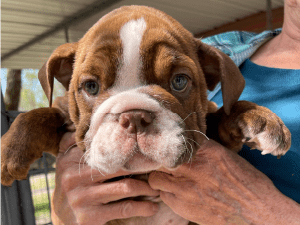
[[82, 197], [219, 187]]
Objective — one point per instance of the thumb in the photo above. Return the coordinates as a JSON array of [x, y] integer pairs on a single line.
[[67, 141]]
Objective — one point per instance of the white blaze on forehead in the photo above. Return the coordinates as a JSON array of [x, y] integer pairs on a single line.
[[131, 35]]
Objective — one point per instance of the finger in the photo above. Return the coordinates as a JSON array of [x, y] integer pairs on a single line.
[[70, 160], [203, 156], [165, 182], [74, 161], [178, 206], [68, 139], [125, 188], [82, 175], [186, 210], [113, 211], [169, 199], [128, 209]]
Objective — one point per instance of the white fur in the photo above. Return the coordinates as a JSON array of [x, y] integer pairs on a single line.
[[131, 35], [111, 147], [264, 142]]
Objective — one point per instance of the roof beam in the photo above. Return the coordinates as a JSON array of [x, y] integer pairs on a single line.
[[75, 18], [253, 23]]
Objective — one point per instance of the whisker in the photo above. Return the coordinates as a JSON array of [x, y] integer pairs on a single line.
[[193, 141], [70, 148], [84, 141], [191, 153], [100, 172], [92, 174], [185, 145], [66, 122], [187, 117], [80, 161], [199, 132]]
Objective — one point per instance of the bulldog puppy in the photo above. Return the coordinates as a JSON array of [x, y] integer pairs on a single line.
[[136, 93]]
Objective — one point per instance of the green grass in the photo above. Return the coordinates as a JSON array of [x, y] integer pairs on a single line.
[[41, 183], [40, 197]]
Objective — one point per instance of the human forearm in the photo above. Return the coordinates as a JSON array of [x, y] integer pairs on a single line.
[[270, 207]]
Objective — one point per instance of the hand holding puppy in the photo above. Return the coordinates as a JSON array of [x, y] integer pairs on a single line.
[[219, 187], [82, 197]]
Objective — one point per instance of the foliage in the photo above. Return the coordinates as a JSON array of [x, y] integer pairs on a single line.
[[32, 94]]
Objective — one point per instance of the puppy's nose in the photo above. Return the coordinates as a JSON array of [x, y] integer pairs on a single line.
[[136, 120]]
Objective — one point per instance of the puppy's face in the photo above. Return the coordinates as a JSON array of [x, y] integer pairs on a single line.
[[140, 86], [137, 94]]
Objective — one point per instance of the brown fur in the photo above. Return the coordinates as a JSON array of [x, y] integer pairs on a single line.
[[166, 47]]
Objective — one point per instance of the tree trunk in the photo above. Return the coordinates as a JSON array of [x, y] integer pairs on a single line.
[[13, 89]]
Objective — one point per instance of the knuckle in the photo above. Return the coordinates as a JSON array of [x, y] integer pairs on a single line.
[[68, 181], [127, 186], [126, 209], [82, 218], [75, 202]]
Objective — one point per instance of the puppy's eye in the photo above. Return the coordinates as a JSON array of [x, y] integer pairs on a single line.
[[179, 82], [91, 87]]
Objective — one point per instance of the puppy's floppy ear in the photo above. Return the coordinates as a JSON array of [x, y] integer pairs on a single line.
[[60, 66], [218, 67]]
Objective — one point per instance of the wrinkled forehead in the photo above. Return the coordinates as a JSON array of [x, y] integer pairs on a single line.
[[122, 42], [137, 22]]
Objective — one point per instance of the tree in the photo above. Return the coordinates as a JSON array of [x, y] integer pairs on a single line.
[[32, 94], [13, 89]]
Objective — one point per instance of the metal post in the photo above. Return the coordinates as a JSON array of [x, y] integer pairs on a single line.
[[10, 205], [67, 34], [269, 15], [47, 181], [16, 201]]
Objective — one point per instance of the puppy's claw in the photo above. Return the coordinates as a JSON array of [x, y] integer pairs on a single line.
[[264, 152]]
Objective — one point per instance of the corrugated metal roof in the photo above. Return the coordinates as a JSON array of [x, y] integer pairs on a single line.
[[24, 20]]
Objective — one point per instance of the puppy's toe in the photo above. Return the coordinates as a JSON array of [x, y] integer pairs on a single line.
[[6, 178], [13, 171]]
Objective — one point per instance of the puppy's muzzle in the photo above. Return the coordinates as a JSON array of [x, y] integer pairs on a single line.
[[133, 131]]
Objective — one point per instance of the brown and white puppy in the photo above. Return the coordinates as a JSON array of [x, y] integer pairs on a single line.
[[137, 84]]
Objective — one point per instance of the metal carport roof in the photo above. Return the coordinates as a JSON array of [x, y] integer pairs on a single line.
[[32, 29]]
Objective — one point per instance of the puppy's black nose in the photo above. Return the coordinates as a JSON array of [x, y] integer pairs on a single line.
[[136, 121]]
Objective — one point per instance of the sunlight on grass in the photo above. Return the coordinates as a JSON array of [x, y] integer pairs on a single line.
[[40, 196]]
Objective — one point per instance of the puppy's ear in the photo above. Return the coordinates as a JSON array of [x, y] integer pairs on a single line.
[[60, 66], [218, 67]]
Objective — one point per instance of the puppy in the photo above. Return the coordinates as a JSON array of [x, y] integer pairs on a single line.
[[136, 94]]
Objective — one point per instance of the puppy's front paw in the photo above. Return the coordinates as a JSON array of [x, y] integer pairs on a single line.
[[31, 134], [265, 131], [12, 170], [15, 159], [259, 128]]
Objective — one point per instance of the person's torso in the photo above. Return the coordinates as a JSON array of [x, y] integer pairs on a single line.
[[278, 90]]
